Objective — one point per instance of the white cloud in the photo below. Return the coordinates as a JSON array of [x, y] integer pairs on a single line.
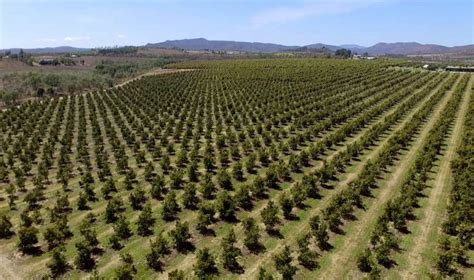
[[76, 38], [285, 14], [121, 36]]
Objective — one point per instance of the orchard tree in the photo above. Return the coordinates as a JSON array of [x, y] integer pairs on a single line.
[[237, 171], [28, 238], [58, 264], [205, 218], [224, 180], [122, 227], [157, 187], [145, 221], [230, 252], [205, 264], [84, 259], [127, 270], [137, 198], [243, 197], [225, 206], [364, 261], [264, 275], [180, 236], [306, 257], [190, 199], [286, 205], [208, 188], [5, 227], [270, 216], [170, 207], [176, 275], [251, 235], [283, 264], [153, 258], [193, 173], [319, 229]]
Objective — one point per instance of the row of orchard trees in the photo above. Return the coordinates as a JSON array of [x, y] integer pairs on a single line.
[[385, 238], [457, 237]]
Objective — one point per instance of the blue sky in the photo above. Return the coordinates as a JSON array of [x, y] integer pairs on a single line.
[[89, 23]]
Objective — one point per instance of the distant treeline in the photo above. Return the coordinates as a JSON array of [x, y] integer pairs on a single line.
[[118, 50]]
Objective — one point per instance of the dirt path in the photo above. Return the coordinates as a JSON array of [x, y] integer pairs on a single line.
[[432, 213], [7, 269], [159, 71], [339, 262]]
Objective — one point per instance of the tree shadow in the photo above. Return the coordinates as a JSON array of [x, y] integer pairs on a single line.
[[275, 233]]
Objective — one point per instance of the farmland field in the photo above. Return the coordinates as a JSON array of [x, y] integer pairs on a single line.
[[296, 168]]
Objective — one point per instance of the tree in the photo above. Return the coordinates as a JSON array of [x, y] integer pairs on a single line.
[[230, 252], [252, 234], [298, 194], [82, 201], [224, 180], [40, 92], [160, 244], [5, 227], [207, 187], [286, 205], [225, 206], [205, 216], [237, 171], [270, 216], [127, 270], [208, 162], [243, 197], [137, 198], [193, 173], [153, 258], [112, 210], [176, 275], [205, 264], [157, 187], [108, 188], [283, 264], [28, 238], [176, 179], [258, 187], [165, 164], [319, 230], [364, 261], [58, 264], [190, 199], [445, 262], [250, 163], [145, 221], [264, 275], [122, 227], [84, 259], [180, 236], [115, 242], [54, 237], [170, 207], [306, 257], [345, 53]]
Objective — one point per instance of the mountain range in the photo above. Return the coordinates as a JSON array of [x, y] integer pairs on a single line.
[[201, 44]]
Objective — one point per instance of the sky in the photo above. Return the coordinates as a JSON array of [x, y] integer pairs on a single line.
[[105, 23]]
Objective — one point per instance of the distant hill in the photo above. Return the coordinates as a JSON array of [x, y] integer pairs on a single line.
[[201, 44], [61, 49], [404, 48], [413, 48]]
